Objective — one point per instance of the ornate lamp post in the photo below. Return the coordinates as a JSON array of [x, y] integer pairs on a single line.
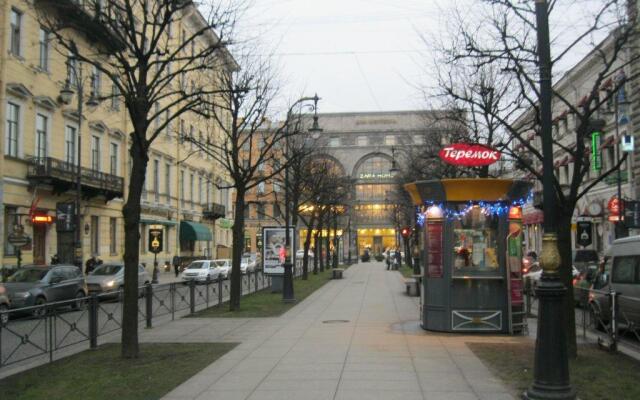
[[551, 368], [287, 285], [74, 69]]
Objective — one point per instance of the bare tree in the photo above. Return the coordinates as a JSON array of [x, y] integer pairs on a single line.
[[132, 45], [250, 149], [492, 72]]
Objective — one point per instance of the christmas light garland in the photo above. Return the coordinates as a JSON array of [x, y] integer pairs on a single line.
[[497, 208]]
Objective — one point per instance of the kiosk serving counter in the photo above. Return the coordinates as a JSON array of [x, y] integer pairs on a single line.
[[471, 241]]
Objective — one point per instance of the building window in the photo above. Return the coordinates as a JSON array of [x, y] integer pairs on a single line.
[[182, 189], [167, 127], [95, 235], [115, 98], [200, 189], [143, 238], [41, 136], [260, 211], [374, 168], [167, 181], [261, 186], [10, 219], [13, 129], [44, 49], [96, 81], [72, 67], [156, 180], [113, 159], [362, 141], [334, 142], [276, 211], [95, 153], [16, 32], [247, 211], [390, 140], [191, 185], [70, 144], [113, 232], [276, 187]]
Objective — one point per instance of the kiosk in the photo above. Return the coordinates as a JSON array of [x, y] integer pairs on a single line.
[[471, 243]]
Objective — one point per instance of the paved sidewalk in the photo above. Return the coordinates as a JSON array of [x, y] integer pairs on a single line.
[[356, 338]]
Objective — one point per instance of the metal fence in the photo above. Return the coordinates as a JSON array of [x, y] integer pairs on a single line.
[[41, 333], [606, 317]]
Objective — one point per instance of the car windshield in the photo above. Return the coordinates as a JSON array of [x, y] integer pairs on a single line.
[[197, 265], [245, 260], [28, 275], [107, 270], [220, 263]]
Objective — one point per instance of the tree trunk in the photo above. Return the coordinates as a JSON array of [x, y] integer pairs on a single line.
[[335, 240], [236, 252], [131, 214], [566, 276], [316, 251], [307, 245], [320, 242]]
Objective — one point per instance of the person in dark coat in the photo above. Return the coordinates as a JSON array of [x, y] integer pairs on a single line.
[[90, 265], [176, 265], [398, 258], [388, 259]]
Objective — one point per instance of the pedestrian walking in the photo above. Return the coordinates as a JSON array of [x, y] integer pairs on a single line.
[[388, 259], [398, 259], [90, 265], [176, 265]]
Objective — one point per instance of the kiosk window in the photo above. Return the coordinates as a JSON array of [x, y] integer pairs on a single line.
[[624, 269], [475, 245]]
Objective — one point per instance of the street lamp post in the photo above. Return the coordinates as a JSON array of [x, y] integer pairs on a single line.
[[287, 284], [66, 94], [620, 226], [551, 367]]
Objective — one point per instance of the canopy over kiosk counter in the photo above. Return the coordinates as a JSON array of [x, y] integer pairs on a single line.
[[471, 244]]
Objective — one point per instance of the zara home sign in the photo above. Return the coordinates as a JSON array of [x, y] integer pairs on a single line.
[[469, 155]]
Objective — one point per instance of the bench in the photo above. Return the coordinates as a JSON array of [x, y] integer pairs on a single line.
[[413, 286], [337, 273]]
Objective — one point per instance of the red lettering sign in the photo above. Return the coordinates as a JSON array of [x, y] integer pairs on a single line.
[[469, 155]]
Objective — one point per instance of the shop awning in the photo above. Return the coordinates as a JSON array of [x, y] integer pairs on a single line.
[[193, 231], [157, 222]]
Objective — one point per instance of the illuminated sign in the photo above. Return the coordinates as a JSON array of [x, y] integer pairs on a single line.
[[379, 175], [41, 219], [469, 155]]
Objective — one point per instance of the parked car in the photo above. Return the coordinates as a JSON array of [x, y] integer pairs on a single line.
[[248, 264], [109, 278], [532, 278], [38, 285], [300, 254], [201, 271], [621, 275], [4, 306], [224, 266]]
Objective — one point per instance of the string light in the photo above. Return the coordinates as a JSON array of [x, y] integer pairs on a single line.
[[498, 208]]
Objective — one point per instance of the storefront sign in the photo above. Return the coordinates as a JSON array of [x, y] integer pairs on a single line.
[[584, 232], [469, 155], [379, 175], [273, 240], [156, 239], [434, 249], [632, 214], [41, 219], [516, 291]]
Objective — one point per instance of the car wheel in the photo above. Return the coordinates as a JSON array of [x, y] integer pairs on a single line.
[[4, 315], [41, 310], [80, 302]]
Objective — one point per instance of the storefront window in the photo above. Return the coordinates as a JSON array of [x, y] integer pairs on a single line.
[[475, 243]]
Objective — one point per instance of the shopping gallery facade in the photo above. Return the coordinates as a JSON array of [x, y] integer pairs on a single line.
[[362, 145]]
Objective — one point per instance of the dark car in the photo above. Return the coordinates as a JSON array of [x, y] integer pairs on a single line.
[[38, 285]]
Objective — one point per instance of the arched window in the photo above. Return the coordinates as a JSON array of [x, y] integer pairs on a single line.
[[374, 168]]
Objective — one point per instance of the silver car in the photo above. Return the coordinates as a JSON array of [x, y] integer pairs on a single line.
[[201, 271], [109, 278], [224, 265]]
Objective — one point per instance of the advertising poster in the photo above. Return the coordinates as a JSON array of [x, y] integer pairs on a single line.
[[434, 250], [273, 250]]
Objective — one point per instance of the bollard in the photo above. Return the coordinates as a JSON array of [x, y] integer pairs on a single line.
[[219, 291], [148, 293], [93, 322], [614, 320], [255, 279], [192, 297], [172, 290], [207, 293]]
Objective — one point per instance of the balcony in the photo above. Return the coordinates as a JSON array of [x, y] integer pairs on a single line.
[[213, 211], [61, 175], [85, 17], [612, 179]]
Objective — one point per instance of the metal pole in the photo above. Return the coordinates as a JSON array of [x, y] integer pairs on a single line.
[[287, 286], [551, 366], [620, 227], [77, 71]]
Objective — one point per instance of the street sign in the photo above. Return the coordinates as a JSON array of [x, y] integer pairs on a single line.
[[156, 239], [632, 214], [469, 155], [627, 144], [584, 229]]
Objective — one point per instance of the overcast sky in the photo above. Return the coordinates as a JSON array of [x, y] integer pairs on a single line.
[[359, 55], [365, 55]]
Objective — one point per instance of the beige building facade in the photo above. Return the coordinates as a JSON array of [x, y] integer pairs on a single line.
[[39, 147]]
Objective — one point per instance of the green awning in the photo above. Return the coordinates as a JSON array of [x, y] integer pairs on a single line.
[[193, 231], [157, 222]]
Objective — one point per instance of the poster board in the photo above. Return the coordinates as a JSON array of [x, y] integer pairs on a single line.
[[273, 240]]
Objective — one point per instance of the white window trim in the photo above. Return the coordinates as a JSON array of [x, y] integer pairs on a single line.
[[100, 137], [118, 158], [75, 144], [21, 107]]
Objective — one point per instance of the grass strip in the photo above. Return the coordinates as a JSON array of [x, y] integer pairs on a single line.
[[596, 374], [103, 374], [267, 304]]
